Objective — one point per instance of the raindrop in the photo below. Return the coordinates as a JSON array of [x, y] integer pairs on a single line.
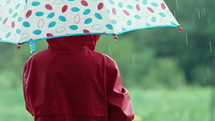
[[186, 38], [177, 8], [203, 11], [134, 60], [199, 13], [174, 14], [109, 48], [211, 49]]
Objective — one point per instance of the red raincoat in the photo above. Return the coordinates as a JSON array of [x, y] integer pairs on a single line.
[[69, 81]]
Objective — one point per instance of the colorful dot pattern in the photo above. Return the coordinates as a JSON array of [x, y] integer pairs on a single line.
[[25, 20]]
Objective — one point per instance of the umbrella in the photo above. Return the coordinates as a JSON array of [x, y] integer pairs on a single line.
[[25, 21]]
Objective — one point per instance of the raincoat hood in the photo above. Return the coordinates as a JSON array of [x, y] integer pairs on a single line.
[[71, 82], [73, 42]]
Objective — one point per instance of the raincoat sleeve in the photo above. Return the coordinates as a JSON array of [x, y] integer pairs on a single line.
[[25, 77], [119, 104]]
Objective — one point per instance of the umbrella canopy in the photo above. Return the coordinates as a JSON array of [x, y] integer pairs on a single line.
[[25, 21]]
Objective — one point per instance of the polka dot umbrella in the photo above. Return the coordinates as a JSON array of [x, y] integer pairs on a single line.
[[25, 21]]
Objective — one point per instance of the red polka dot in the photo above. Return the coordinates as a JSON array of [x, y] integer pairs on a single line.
[[150, 9], [49, 35], [100, 6], [48, 7], [28, 14], [114, 11], [138, 7], [163, 6], [126, 12], [86, 31], [5, 21], [65, 8], [84, 3], [13, 24]]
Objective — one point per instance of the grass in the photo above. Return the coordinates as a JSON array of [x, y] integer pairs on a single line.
[[189, 104]]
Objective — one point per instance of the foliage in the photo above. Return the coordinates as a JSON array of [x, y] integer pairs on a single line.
[[159, 57], [188, 104]]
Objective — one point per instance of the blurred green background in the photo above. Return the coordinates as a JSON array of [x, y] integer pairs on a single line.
[[168, 73]]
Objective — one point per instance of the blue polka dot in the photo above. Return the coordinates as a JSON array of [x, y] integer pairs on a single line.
[[123, 29], [20, 19], [10, 11], [73, 27], [62, 18], [114, 22], [120, 4], [111, 1], [51, 15], [173, 23], [88, 21], [8, 35], [15, 15], [26, 24], [35, 3], [154, 4], [137, 16], [37, 32], [145, 2], [154, 19], [147, 24], [18, 31], [18, 5], [86, 12], [75, 9], [129, 6], [8, 1], [109, 26], [98, 16], [129, 22], [162, 14], [52, 24], [39, 13]]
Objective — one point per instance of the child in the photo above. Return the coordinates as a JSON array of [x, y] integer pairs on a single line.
[[69, 81]]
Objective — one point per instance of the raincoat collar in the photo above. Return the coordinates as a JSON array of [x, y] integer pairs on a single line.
[[73, 43]]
